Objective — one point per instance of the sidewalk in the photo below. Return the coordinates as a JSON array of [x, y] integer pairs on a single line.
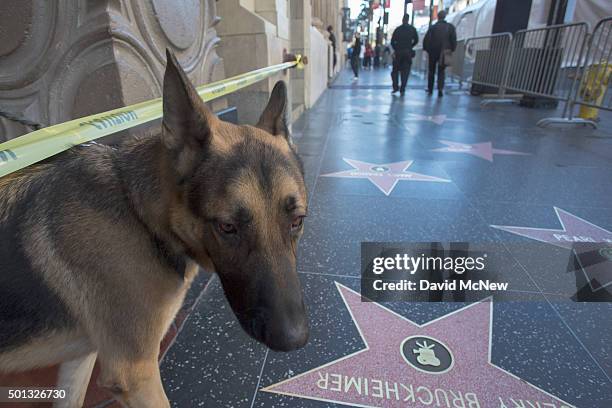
[[475, 174]]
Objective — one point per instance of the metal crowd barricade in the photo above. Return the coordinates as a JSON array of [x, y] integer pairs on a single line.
[[485, 60], [457, 64], [545, 62], [595, 79], [560, 62]]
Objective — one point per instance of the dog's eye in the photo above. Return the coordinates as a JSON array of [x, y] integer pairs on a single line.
[[297, 223], [227, 228]]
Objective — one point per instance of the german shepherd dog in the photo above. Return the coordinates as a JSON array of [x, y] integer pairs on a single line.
[[98, 246]]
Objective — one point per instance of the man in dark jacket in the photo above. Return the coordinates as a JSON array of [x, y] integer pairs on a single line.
[[440, 36], [404, 38], [332, 39], [355, 61]]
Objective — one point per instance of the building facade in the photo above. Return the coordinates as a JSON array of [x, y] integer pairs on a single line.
[[64, 59]]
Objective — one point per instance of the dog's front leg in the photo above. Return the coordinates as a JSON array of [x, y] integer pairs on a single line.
[[74, 377], [135, 384]]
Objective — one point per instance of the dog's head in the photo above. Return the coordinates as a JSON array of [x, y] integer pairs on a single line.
[[238, 206]]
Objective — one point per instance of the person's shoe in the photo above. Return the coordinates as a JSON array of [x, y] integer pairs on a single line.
[[440, 94], [429, 91], [355, 78], [402, 93], [394, 91]]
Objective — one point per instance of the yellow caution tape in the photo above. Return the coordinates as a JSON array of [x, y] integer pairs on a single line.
[[25, 150]]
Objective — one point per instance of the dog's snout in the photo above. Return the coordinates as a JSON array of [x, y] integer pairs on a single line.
[[274, 312], [297, 336], [289, 329], [280, 331], [289, 336]]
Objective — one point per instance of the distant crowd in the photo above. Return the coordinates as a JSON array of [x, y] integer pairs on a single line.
[[439, 42], [373, 57]]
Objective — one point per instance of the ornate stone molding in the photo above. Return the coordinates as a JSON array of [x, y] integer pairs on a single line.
[[61, 59]]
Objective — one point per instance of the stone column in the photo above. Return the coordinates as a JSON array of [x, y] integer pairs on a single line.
[[300, 14], [253, 35], [60, 60], [277, 13]]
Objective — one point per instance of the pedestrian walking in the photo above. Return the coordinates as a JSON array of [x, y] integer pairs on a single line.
[[362, 52], [387, 60], [439, 43], [355, 62], [332, 39], [368, 54], [377, 55], [404, 38]]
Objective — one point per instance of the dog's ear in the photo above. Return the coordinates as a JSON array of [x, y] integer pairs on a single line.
[[187, 121], [274, 117]]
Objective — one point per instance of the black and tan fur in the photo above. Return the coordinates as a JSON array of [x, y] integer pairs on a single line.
[[98, 246]]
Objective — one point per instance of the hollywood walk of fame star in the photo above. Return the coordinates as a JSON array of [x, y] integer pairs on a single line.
[[447, 364], [437, 119], [364, 98], [370, 98], [408, 102], [364, 109], [483, 150], [384, 176], [573, 230], [386, 99]]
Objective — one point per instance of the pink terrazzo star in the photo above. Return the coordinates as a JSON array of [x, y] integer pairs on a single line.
[[437, 119], [483, 150], [364, 109], [386, 373], [384, 176], [573, 229]]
